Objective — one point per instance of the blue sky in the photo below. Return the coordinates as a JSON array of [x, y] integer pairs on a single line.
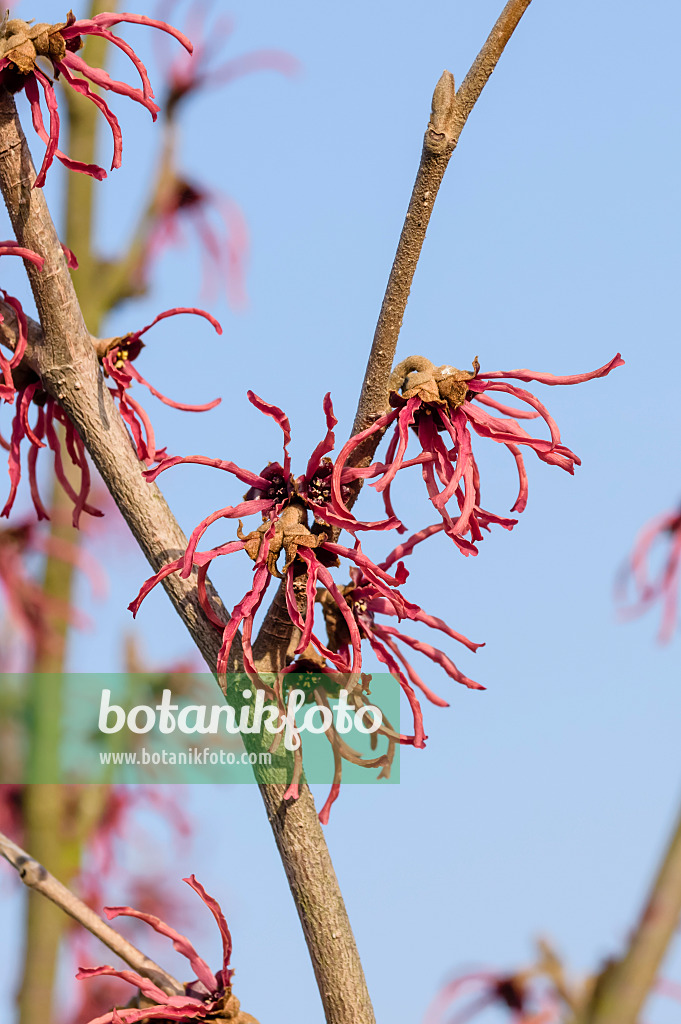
[[541, 805]]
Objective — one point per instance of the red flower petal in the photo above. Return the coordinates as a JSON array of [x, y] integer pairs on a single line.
[[245, 475], [552, 379], [216, 911], [281, 419], [79, 85], [108, 20], [325, 446], [180, 943], [146, 987]]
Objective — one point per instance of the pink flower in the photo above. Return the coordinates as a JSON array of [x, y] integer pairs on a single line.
[[59, 44], [220, 228], [188, 76], [283, 502], [31, 612], [527, 1003], [443, 402], [117, 363], [353, 613], [664, 530], [209, 996], [670, 989], [7, 385], [48, 414], [12, 810], [369, 606]]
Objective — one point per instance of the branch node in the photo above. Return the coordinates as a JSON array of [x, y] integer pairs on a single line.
[[442, 125]]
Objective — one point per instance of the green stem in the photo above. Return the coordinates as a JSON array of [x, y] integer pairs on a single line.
[[624, 985], [45, 923]]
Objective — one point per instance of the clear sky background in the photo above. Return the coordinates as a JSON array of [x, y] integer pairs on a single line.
[[540, 806]]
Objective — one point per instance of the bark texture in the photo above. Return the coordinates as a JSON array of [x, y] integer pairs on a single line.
[[66, 363]]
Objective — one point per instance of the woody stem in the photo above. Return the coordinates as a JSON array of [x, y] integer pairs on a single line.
[[69, 371], [36, 877], [449, 114]]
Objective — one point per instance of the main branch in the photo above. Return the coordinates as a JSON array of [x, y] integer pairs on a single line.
[[68, 368]]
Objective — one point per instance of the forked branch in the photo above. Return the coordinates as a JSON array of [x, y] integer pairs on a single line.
[[69, 371]]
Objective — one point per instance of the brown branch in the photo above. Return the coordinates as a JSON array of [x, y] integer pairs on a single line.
[[448, 117], [624, 985], [36, 877], [67, 365], [68, 368], [9, 332]]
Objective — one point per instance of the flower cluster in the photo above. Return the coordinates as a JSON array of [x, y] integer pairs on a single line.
[[443, 402], [284, 503], [117, 358], [302, 517], [663, 531], [117, 363], [22, 44], [208, 997]]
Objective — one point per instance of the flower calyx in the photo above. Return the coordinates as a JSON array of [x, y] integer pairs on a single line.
[[22, 43], [290, 533], [126, 347], [417, 377]]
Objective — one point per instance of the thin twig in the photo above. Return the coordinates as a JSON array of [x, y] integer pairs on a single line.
[[36, 877], [624, 985], [449, 114], [68, 368], [448, 117]]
